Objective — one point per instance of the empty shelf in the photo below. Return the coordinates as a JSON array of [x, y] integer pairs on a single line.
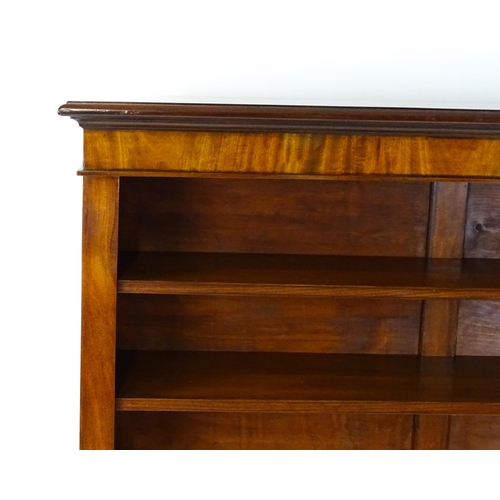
[[318, 275], [229, 381]]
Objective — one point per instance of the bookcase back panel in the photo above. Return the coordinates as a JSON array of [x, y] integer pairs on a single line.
[[474, 432], [482, 236], [274, 216], [478, 331], [253, 323], [342, 431], [181, 430]]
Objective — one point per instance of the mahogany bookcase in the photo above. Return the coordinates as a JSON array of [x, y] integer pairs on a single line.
[[289, 277]]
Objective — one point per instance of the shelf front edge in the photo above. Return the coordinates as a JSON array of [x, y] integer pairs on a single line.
[[245, 405], [170, 288]]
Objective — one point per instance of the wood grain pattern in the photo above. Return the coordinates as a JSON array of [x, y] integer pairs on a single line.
[[447, 220], [254, 311], [445, 240], [439, 327], [431, 432], [274, 216], [99, 267], [475, 432], [262, 431], [303, 177], [316, 275], [303, 119], [292, 154], [305, 382], [483, 222], [253, 323], [479, 328]]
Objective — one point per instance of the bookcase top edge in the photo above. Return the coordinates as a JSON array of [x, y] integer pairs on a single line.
[[284, 119]]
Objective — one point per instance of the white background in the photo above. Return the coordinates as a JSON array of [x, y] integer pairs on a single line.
[[379, 53]]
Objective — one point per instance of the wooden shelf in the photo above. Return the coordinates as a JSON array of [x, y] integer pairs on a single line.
[[316, 275], [229, 381]]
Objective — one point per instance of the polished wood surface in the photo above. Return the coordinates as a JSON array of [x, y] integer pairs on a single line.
[[274, 216], [431, 432], [296, 177], [99, 265], [445, 240], [475, 432], [447, 220], [262, 431], [478, 328], [271, 323], [439, 327], [302, 119], [482, 238], [310, 154], [315, 275], [230, 381], [275, 277]]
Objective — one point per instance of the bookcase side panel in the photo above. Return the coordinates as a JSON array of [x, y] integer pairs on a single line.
[[99, 267]]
